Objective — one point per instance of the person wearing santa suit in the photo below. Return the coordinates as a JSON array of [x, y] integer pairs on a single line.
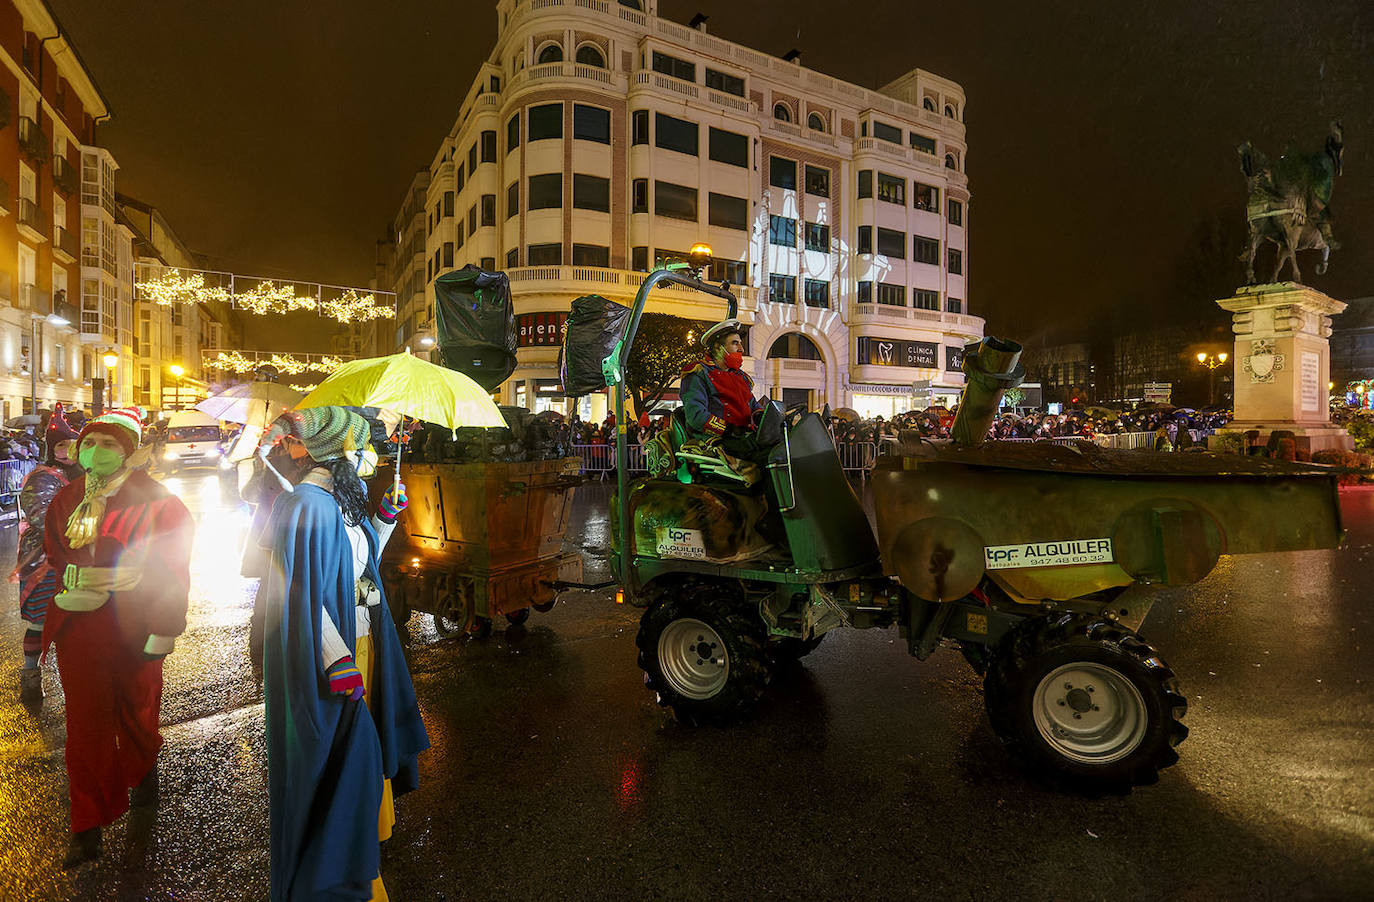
[[38, 582], [121, 544], [718, 397]]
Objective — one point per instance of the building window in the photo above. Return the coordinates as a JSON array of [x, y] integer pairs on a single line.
[[488, 147], [956, 262], [954, 305], [816, 292], [782, 173], [591, 123], [817, 181], [891, 295], [458, 236], [782, 289], [489, 263], [458, 178], [891, 189], [817, 237], [864, 245], [865, 183], [816, 122], [885, 132], [951, 162], [724, 81], [590, 55], [512, 258], [925, 250], [472, 158], [546, 191], [926, 299], [928, 104], [732, 271], [549, 53], [677, 68], [922, 143], [955, 212], [782, 231], [728, 147], [591, 192], [591, 255], [675, 201], [782, 112], [927, 197], [448, 254], [639, 196], [448, 203], [472, 219], [639, 258], [546, 121], [544, 255], [727, 212], [794, 346], [892, 243], [512, 199], [671, 133], [865, 295], [949, 112], [488, 209], [639, 127]]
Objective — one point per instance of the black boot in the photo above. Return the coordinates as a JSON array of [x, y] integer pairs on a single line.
[[144, 795], [84, 847], [30, 685]]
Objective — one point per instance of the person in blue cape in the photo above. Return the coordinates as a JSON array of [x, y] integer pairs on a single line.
[[342, 718]]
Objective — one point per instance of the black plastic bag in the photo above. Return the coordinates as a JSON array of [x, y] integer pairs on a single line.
[[476, 323], [594, 326]]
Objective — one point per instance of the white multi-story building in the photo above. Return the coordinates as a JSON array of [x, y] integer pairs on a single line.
[[599, 140]]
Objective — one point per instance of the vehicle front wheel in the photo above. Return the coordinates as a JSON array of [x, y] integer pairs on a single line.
[[1085, 704], [704, 653]]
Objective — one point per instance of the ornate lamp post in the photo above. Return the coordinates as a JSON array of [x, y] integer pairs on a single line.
[[111, 360], [1212, 361]]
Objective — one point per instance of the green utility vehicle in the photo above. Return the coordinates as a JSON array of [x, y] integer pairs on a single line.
[[1036, 561]]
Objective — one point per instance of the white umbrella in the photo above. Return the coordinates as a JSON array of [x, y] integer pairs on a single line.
[[251, 403]]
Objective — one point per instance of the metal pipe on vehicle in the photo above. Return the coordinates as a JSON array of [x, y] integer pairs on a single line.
[[991, 366]]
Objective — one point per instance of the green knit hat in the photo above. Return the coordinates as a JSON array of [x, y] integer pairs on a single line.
[[328, 433]]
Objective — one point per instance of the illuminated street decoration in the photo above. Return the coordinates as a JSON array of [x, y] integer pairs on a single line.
[[286, 364], [169, 287]]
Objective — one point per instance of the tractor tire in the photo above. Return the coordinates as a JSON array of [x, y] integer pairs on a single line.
[[704, 652], [788, 652], [544, 607], [516, 618], [1085, 704]]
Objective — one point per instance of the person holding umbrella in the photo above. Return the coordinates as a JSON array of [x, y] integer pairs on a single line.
[[329, 644]]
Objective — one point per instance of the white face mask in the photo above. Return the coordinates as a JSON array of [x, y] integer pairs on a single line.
[[366, 462], [262, 455]]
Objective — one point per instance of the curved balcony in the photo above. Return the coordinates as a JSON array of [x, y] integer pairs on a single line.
[[573, 281], [566, 73]]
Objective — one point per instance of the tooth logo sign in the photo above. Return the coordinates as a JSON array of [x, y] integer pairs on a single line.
[[885, 351]]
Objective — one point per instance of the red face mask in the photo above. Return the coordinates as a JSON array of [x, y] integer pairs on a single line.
[[734, 360]]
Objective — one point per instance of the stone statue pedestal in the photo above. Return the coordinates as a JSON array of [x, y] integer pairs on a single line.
[[1282, 363]]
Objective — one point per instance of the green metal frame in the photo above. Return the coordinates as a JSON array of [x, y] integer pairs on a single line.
[[613, 368]]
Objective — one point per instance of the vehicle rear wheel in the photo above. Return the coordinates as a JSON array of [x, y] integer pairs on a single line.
[[704, 652], [452, 617], [544, 607], [1085, 704], [515, 618]]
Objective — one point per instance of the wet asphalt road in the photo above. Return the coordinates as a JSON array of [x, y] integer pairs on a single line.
[[868, 775]]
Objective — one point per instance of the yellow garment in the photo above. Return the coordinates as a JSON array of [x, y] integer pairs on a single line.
[[84, 522], [386, 815]]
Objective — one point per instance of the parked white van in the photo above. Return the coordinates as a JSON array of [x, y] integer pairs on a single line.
[[192, 441]]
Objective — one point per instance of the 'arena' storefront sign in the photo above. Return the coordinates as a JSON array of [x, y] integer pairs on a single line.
[[897, 352], [540, 329]]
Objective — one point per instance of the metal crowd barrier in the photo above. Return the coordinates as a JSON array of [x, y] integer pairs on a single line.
[[12, 473], [600, 459], [857, 457]]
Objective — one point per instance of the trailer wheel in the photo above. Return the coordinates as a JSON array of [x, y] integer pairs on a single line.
[[452, 616], [544, 607], [481, 628], [516, 618], [703, 652], [1085, 704], [448, 627], [788, 651]]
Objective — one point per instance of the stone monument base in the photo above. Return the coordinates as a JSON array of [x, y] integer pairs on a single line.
[[1306, 438]]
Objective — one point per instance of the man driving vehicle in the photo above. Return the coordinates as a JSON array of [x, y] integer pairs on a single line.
[[718, 397]]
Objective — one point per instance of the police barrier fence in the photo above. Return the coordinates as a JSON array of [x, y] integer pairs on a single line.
[[12, 473]]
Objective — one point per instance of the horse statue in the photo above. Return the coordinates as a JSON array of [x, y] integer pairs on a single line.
[[1289, 203]]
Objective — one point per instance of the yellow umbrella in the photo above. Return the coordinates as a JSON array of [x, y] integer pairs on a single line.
[[410, 386]]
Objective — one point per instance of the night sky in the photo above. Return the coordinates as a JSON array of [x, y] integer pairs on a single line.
[[279, 137]]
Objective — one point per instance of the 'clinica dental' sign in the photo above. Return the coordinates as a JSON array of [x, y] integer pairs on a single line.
[[1048, 554]]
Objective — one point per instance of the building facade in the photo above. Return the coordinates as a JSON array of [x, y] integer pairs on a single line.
[[599, 141]]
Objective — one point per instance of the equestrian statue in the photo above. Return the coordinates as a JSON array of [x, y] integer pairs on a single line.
[[1289, 203]]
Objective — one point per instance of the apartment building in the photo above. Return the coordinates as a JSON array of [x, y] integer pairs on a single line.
[[599, 141], [170, 342]]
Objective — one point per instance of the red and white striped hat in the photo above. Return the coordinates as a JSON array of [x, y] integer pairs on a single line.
[[124, 423]]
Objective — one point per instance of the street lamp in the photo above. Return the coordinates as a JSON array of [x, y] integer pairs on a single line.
[[1211, 361], [111, 360], [176, 370]]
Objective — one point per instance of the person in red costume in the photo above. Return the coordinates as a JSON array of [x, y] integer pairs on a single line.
[[122, 545], [717, 396]]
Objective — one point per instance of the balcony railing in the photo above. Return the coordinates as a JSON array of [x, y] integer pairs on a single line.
[[6, 201], [32, 142], [31, 216], [63, 175], [33, 299], [612, 281], [64, 242]]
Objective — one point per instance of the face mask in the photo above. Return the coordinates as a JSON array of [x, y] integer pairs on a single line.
[[734, 360], [100, 461], [366, 462], [265, 454]]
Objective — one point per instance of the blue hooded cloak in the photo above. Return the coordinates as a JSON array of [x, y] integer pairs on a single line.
[[325, 754]]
